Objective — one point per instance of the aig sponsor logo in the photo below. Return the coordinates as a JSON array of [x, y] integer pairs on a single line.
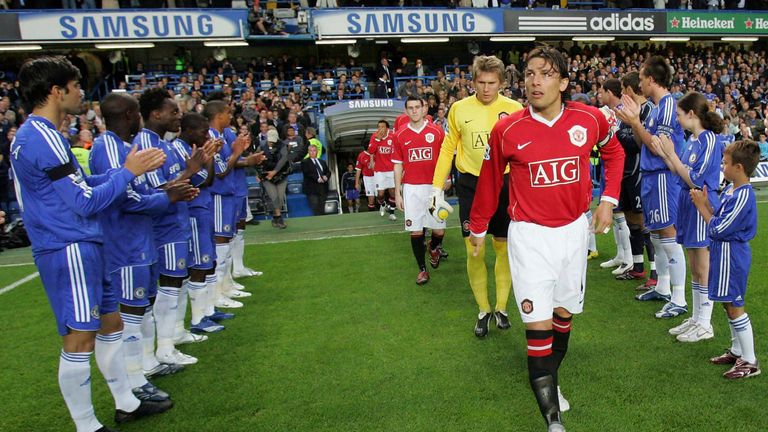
[[419, 154], [554, 172]]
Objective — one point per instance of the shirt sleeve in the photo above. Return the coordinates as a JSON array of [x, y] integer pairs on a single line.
[[667, 120], [373, 145], [155, 178], [613, 155], [397, 152], [447, 150], [151, 204], [733, 217], [699, 176], [488, 184]]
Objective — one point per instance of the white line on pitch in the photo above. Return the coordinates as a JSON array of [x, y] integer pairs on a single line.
[[19, 282], [17, 264]]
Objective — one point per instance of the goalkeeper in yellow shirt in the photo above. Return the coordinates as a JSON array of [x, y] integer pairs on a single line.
[[470, 122]]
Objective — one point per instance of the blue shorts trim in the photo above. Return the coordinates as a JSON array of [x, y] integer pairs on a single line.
[[133, 285], [691, 226], [659, 194], [202, 243], [74, 282], [241, 204], [729, 264], [173, 259], [224, 215]]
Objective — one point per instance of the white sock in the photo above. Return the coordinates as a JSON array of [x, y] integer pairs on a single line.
[[662, 266], [181, 310], [238, 248], [705, 306], [148, 360], [198, 300], [222, 253], [695, 301], [210, 291], [592, 246], [109, 358], [616, 240], [229, 282], [165, 316], [75, 385], [676, 258], [735, 344], [743, 327], [622, 244], [133, 349]]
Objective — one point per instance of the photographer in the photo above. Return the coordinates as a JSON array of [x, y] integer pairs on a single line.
[[273, 172]]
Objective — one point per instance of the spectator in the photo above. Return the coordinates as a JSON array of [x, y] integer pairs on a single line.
[[297, 148], [80, 152], [312, 140], [316, 174], [763, 147]]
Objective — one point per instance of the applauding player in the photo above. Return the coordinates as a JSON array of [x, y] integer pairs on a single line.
[[415, 156], [547, 148]]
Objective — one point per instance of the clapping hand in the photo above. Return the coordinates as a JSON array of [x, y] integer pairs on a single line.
[[181, 191], [140, 161], [699, 197], [241, 143], [629, 112]]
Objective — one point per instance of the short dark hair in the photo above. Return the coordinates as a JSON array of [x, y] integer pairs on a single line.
[[38, 75], [193, 120], [214, 108], [612, 85], [115, 105], [658, 69], [413, 98], [631, 80], [745, 152], [386, 123], [556, 59], [152, 100]]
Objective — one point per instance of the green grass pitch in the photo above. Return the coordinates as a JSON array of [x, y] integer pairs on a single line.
[[338, 337]]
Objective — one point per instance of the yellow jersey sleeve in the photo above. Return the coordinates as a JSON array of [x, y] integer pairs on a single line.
[[469, 127]]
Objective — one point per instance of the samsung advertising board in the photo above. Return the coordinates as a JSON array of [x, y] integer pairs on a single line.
[[131, 25], [404, 22]]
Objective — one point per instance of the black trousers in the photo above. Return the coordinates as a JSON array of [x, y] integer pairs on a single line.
[[317, 204]]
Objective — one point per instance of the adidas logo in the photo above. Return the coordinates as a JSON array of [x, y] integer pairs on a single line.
[[131, 339], [739, 298]]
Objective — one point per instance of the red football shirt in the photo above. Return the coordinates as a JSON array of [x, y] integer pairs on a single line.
[[402, 121], [381, 150], [363, 164], [549, 177], [418, 150]]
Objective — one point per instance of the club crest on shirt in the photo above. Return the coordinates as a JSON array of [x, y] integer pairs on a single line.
[[95, 312], [692, 159], [526, 306], [578, 135], [430, 138], [140, 292]]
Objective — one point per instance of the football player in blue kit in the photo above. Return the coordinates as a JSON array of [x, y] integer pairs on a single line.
[[129, 250], [171, 229], [59, 206], [659, 189]]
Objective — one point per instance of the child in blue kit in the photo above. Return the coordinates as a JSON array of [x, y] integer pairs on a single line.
[[731, 226]]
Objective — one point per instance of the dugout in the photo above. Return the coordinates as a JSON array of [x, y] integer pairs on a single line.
[[348, 127]]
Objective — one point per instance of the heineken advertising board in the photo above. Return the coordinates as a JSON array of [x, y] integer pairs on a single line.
[[737, 23]]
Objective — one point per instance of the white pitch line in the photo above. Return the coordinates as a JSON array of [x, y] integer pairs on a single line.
[[17, 265], [18, 283]]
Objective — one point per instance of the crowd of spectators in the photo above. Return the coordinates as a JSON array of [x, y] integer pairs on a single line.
[[286, 93], [303, 4]]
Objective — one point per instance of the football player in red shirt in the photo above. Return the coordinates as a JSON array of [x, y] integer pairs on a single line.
[[417, 145], [547, 147], [364, 168], [380, 149]]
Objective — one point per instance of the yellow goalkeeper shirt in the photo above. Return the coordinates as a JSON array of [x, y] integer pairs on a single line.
[[469, 126]]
